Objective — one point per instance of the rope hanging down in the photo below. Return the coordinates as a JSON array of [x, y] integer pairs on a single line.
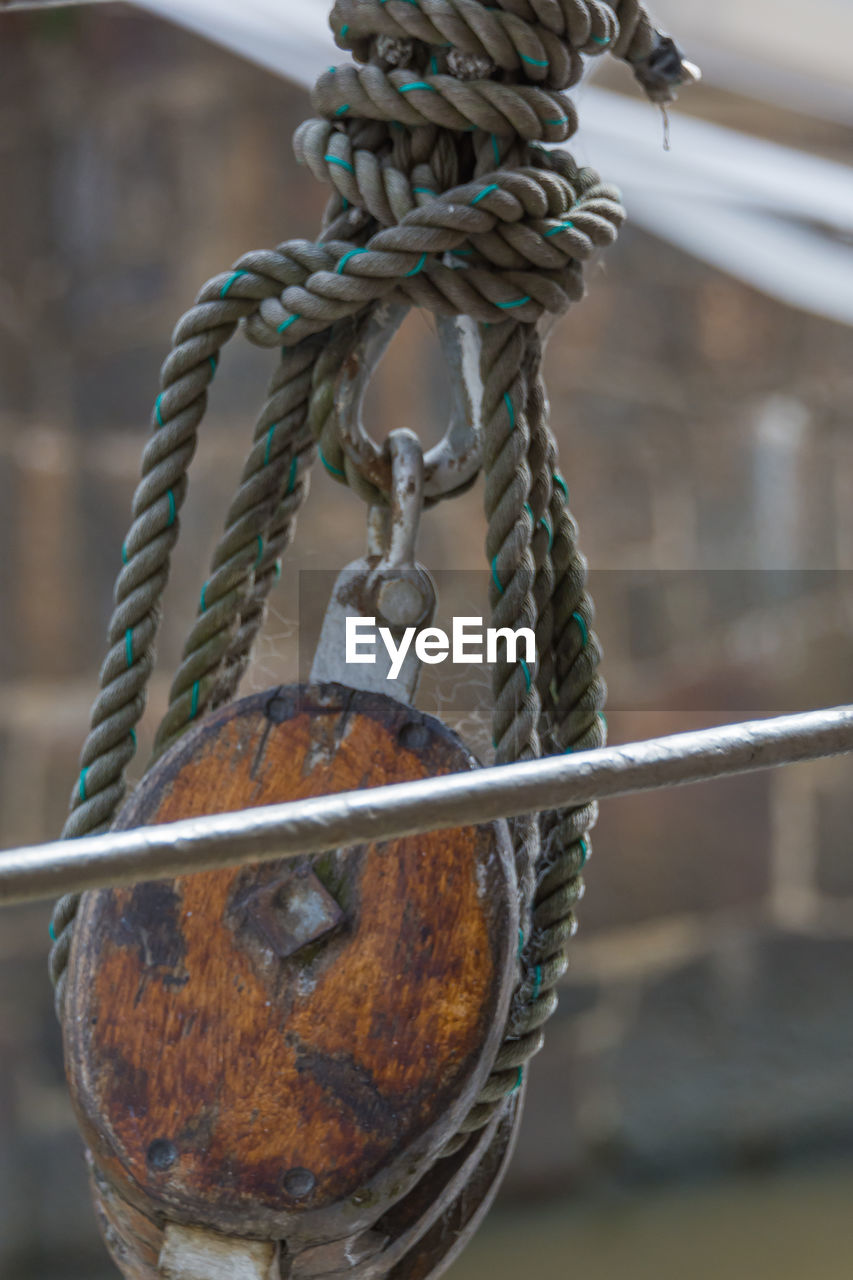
[[444, 195]]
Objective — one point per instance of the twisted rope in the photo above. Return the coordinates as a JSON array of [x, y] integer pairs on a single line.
[[442, 194], [146, 553]]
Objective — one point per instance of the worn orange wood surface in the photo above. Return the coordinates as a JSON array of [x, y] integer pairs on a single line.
[[226, 1084]]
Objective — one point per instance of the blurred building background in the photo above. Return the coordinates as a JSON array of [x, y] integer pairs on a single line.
[[692, 1112]]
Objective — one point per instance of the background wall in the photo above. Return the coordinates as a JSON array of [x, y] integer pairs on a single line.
[[705, 1025]]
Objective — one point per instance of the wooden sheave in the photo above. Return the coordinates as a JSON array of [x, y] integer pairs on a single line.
[[267, 1062]]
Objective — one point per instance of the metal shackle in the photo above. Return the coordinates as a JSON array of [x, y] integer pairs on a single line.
[[456, 460]]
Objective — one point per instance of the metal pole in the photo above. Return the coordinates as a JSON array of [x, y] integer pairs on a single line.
[[44, 4], [408, 808]]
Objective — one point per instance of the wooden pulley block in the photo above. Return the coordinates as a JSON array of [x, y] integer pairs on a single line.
[[268, 1062]]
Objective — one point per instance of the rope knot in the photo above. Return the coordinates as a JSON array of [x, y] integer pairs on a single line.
[[447, 93], [450, 93]]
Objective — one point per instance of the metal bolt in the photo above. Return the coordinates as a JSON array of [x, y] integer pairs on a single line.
[[401, 601], [294, 910]]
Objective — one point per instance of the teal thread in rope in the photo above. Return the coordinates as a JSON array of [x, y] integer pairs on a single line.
[[529, 510], [603, 718], [345, 259], [277, 570], [510, 409], [213, 364], [496, 149], [602, 40], [559, 120], [194, 701], [583, 630], [260, 554], [418, 268], [51, 932], [520, 942], [133, 738], [544, 522], [332, 470], [341, 111], [344, 164], [228, 283], [516, 302], [82, 787], [423, 191], [564, 226], [344, 30], [124, 553], [537, 986], [172, 512], [288, 323], [495, 575], [416, 84], [534, 62], [584, 850], [157, 409], [561, 484], [202, 600], [515, 1088], [291, 479], [485, 192], [270, 435], [526, 671], [128, 646]]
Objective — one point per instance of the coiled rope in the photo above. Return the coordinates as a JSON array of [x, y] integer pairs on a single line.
[[444, 195]]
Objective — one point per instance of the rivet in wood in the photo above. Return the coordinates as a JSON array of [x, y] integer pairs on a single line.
[[298, 1183], [414, 736], [161, 1154], [277, 709]]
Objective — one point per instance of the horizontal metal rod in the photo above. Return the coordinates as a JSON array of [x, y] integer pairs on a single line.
[[409, 808], [44, 4]]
